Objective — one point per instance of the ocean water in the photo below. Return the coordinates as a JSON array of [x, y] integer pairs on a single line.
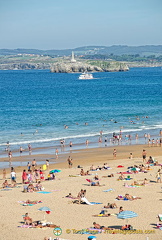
[[35, 105]]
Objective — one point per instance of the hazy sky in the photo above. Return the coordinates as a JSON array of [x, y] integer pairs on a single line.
[[60, 24]]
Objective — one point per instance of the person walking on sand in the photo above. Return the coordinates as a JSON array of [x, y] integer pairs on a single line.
[[21, 150], [70, 163], [13, 176], [87, 142], [158, 176], [10, 156], [29, 148], [144, 155], [56, 153], [114, 153]]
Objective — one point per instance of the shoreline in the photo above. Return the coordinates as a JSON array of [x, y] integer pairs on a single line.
[[79, 156]]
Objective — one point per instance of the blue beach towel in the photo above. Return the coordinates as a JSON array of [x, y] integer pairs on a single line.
[[43, 192], [108, 190], [95, 203]]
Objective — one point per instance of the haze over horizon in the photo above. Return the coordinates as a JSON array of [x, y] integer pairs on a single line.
[[66, 24]]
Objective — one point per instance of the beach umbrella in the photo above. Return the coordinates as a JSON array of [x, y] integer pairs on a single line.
[[134, 169], [45, 209], [126, 215], [55, 171], [91, 237]]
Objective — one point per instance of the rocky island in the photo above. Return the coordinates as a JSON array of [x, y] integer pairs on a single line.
[[73, 66]]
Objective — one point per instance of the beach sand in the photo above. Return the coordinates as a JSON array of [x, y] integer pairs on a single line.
[[79, 216]]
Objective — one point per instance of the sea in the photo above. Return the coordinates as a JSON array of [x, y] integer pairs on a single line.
[[42, 108]]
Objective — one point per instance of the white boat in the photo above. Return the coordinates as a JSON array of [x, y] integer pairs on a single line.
[[86, 76]]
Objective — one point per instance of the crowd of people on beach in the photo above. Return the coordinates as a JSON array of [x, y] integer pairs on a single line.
[[33, 177]]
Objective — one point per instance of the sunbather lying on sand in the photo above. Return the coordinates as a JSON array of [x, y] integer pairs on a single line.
[[110, 175], [127, 197], [127, 227], [6, 184], [135, 183], [29, 221], [98, 226], [112, 205], [102, 214], [95, 184], [32, 202], [70, 196]]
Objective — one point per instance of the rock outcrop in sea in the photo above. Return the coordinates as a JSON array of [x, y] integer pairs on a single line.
[[98, 66]]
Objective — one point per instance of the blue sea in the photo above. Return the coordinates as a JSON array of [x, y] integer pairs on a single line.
[[35, 106]]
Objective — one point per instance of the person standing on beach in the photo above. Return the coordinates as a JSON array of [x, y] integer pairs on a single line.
[[70, 162], [47, 164], [10, 156], [153, 142], [158, 176], [29, 148], [144, 155], [87, 142], [29, 166], [149, 142], [34, 164], [136, 137], [160, 142], [145, 136], [4, 173], [21, 150], [13, 176], [56, 153], [70, 145], [24, 176], [114, 153], [105, 141]]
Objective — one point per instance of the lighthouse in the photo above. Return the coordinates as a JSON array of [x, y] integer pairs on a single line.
[[72, 58]]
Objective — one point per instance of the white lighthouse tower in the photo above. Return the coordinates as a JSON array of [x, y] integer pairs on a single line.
[[72, 58]]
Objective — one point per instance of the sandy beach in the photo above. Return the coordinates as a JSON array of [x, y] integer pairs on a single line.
[[74, 217]]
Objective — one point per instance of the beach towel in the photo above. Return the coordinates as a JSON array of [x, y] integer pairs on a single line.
[[88, 180], [129, 186], [43, 192], [6, 189], [74, 175], [96, 203], [23, 203], [25, 226], [109, 190], [124, 172], [125, 199], [86, 201]]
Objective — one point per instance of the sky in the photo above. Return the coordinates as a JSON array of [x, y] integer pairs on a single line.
[[63, 24]]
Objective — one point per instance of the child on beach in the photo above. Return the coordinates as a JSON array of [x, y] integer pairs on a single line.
[[158, 176]]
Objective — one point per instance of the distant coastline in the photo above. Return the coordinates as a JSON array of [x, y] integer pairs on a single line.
[[99, 58]]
